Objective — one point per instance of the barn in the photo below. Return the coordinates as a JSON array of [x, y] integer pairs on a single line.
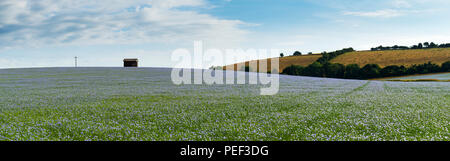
[[130, 62]]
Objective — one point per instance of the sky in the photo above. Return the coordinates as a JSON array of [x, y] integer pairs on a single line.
[[50, 33]]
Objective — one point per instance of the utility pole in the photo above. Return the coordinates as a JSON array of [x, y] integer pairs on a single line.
[[76, 65]]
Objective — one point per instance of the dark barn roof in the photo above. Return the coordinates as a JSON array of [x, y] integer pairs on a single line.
[[130, 59]]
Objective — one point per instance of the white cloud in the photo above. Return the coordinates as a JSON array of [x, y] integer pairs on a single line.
[[387, 13], [56, 22], [401, 3]]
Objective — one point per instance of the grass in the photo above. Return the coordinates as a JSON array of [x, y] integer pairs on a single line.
[[395, 57], [143, 104]]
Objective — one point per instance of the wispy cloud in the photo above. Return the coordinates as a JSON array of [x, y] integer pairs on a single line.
[[386, 13], [36, 23], [401, 3]]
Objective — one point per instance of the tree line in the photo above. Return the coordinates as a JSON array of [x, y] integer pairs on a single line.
[[329, 56], [369, 71], [326, 57], [425, 45]]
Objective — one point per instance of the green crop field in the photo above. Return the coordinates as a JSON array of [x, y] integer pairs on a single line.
[[143, 104]]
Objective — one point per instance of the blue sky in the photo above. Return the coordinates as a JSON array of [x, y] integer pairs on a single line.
[[50, 33]]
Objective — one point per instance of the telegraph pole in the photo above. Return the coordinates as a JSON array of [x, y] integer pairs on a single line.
[[76, 65]]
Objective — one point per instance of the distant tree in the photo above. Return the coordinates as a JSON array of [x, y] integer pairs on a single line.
[[428, 68], [297, 53], [420, 46], [445, 45], [325, 57], [392, 70], [423, 68], [350, 49], [310, 53], [432, 45], [315, 69], [395, 47], [412, 70], [446, 67], [294, 70], [281, 55], [380, 47], [352, 71], [426, 45], [370, 71], [334, 70], [328, 56], [403, 47]]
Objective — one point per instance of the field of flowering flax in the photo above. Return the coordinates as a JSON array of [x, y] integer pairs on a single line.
[[143, 104]]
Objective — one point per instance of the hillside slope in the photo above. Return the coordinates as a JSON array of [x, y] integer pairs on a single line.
[[382, 58], [285, 62], [395, 57]]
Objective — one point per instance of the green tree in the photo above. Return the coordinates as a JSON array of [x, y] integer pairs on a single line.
[[334, 70], [420, 46], [297, 53], [392, 70], [432, 45], [370, 71], [426, 68], [294, 70], [352, 71], [446, 67], [426, 45], [315, 69]]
